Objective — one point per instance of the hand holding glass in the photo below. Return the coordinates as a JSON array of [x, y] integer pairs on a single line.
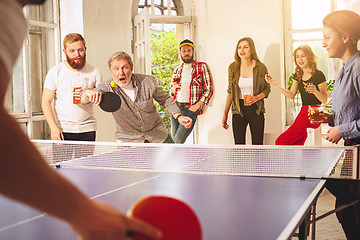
[[317, 115], [77, 91], [77, 95], [310, 87], [247, 94]]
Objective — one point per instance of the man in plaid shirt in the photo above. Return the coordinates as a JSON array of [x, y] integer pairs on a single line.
[[191, 88]]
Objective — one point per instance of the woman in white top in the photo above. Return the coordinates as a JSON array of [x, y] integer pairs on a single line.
[[246, 90]]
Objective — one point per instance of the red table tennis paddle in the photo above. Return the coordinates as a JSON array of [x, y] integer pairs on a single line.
[[110, 102], [174, 218]]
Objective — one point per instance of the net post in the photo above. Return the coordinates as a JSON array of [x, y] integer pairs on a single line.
[[357, 162]]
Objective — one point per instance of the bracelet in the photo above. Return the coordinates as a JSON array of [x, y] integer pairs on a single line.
[[177, 117]]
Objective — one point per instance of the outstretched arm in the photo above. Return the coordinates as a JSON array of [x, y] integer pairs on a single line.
[[90, 96], [26, 177], [290, 94]]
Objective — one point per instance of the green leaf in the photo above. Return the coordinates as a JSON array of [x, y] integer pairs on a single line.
[[164, 59]]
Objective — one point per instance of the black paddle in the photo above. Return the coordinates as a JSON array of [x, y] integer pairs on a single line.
[[110, 102]]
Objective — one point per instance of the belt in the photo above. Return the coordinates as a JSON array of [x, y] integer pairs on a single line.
[[181, 103]]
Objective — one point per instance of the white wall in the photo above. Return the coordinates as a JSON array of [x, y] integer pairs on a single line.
[[107, 29], [71, 19], [218, 27]]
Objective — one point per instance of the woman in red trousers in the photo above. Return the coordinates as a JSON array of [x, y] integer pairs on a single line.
[[311, 84]]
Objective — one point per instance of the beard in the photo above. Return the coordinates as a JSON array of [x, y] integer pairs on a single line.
[[187, 60], [76, 65]]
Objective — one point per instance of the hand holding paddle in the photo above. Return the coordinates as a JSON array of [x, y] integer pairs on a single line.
[[108, 101], [91, 96], [98, 220]]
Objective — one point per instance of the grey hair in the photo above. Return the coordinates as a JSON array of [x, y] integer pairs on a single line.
[[120, 55]]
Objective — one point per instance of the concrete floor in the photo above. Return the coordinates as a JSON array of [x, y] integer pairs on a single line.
[[327, 228]]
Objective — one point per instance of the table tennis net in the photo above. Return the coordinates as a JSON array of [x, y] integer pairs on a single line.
[[278, 161]]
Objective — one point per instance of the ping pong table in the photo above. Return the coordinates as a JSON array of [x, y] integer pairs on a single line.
[[237, 192]]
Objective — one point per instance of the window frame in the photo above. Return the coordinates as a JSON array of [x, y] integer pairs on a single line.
[[185, 26], [28, 118], [334, 64]]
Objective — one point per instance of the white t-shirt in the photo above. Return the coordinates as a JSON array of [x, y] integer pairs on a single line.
[[13, 28], [246, 86], [183, 94], [70, 117], [130, 91]]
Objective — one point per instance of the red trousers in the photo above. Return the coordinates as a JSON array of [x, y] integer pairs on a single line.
[[296, 134]]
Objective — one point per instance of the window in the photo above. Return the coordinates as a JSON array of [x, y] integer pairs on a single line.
[[160, 7], [40, 52], [304, 26], [163, 46], [156, 16], [158, 28]]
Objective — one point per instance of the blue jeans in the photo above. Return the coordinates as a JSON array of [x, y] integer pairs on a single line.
[[167, 140], [178, 131]]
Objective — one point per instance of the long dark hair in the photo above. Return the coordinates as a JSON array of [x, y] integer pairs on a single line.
[[252, 48]]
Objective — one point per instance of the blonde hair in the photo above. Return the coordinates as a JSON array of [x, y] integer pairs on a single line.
[[344, 22], [310, 55], [73, 37]]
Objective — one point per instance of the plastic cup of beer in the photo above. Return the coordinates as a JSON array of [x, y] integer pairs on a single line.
[[247, 94], [77, 95], [317, 115]]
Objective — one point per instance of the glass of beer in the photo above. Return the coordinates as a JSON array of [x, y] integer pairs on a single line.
[[246, 94], [77, 95], [317, 115], [77, 90]]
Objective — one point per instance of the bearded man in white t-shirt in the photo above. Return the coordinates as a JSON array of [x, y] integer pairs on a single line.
[[70, 120]]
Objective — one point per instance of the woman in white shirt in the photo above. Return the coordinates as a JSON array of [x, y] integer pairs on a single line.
[[246, 90]]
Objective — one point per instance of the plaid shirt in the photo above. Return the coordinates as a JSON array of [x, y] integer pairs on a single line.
[[201, 85]]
